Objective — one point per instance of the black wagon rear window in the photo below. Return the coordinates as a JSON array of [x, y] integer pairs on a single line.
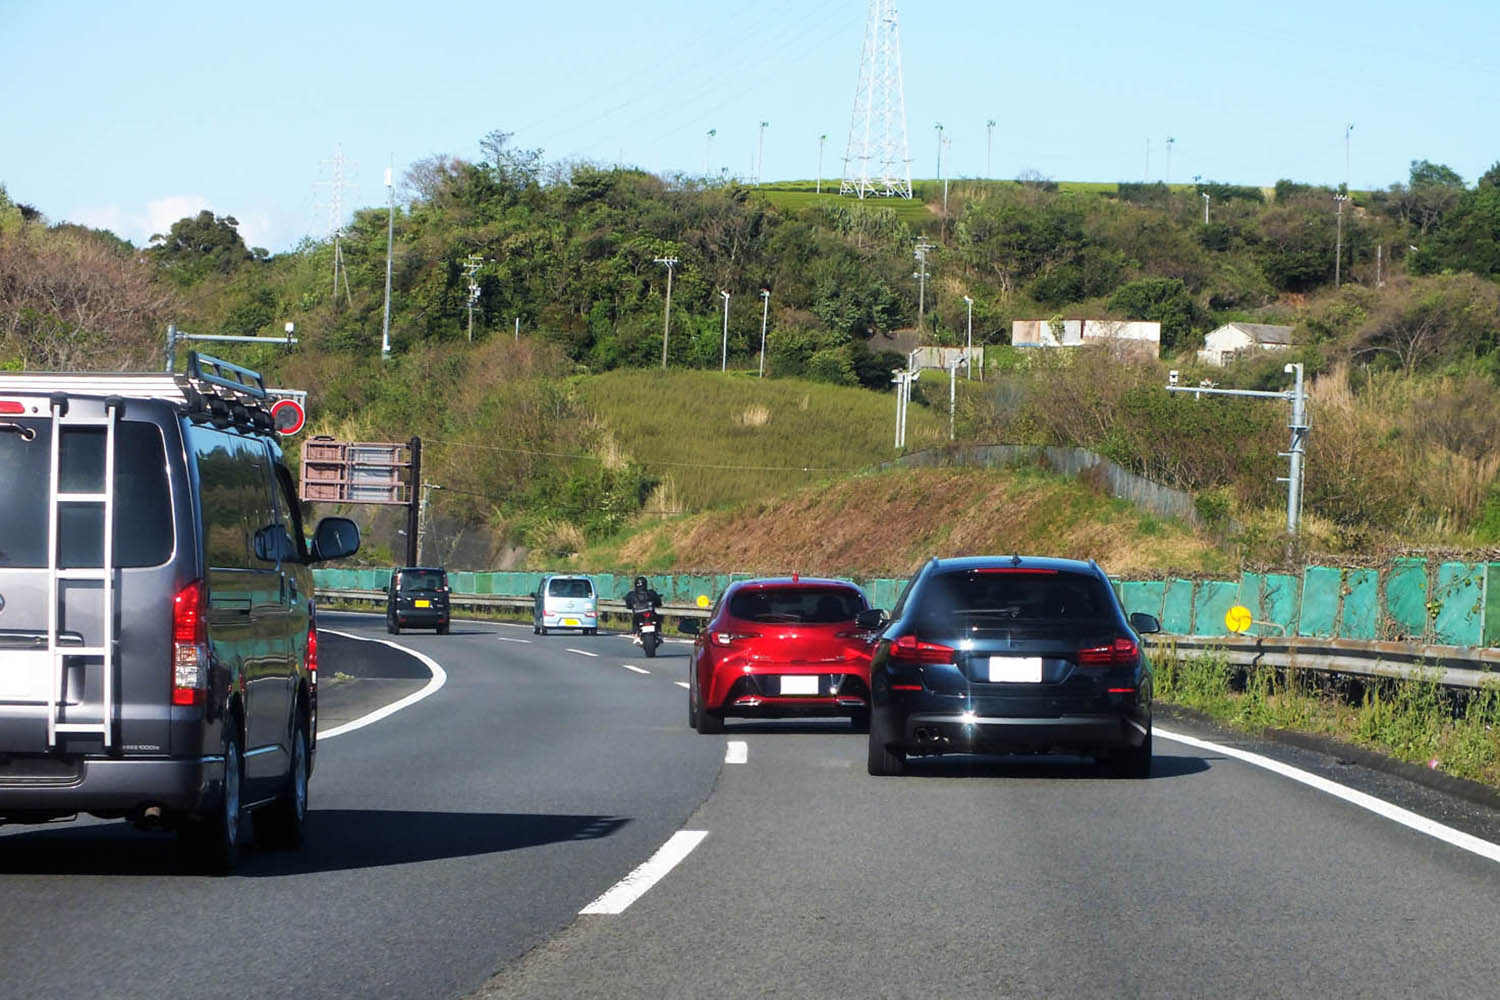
[[423, 579], [570, 588], [808, 605], [1014, 595], [142, 497]]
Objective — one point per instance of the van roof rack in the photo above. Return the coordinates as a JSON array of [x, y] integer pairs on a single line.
[[212, 390]]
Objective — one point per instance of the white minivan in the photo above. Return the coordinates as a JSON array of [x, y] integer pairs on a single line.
[[565, 602]]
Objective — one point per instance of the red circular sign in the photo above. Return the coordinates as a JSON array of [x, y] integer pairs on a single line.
[[288, 416]]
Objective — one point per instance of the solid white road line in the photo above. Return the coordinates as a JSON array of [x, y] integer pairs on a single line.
[[580, 652], [1394, 813], [636, 669], [439, 678], [736, 752], [639, 882], [682, 684], [506, 638]]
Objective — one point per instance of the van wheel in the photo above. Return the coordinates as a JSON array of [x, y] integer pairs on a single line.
[[590, 631], [215, 840], [442, 629], [281, 824], [541, 630]]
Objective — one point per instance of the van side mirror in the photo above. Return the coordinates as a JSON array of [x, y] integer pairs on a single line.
[[336, 538], [1143, 623], [689, 626], [872, 618]]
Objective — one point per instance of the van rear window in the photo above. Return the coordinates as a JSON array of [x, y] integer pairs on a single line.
[[570, 588], [142, 498], [423, 579]]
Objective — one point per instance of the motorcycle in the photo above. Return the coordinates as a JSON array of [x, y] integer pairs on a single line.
[[646, 624]]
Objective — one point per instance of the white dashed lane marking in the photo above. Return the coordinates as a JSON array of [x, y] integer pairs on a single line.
[[681, 684], [581, 652], [506, 638], [736, 752], [638, 670]]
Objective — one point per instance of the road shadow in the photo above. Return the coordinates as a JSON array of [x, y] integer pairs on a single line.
[[337, 840], [1043, 768]]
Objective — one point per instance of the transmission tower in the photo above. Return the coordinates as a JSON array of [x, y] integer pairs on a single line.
[[335, 185], [877, 161]]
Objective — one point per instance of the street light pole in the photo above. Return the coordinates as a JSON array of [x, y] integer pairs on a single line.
[[969, 350], [1170, 140], [666, 322], [939, 127], [765, 310], [390, 235], [724, 353]]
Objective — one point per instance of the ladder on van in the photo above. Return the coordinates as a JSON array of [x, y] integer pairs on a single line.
[[58, 577]]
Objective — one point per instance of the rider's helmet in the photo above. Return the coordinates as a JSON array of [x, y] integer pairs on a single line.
[[640, 583]]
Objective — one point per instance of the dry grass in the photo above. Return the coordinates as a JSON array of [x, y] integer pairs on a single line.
[[886, 524], [754, 415]]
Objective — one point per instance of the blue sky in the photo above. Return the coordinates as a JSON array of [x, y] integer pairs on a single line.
[[129, 115]]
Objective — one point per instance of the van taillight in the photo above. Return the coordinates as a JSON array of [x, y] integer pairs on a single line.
[[909, 649], [1121, 652], [312, 655], [189, 645]]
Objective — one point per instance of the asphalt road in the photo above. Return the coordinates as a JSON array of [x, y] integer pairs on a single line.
[[443, 841], [460, 838]]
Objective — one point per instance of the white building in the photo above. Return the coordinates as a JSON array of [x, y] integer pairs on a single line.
[[1132, 335], [1233, 340]]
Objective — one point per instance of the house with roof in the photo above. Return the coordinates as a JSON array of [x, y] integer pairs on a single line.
[[1235, 340]]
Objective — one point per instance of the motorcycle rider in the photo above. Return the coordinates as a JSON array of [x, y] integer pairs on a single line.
[[641, 597]]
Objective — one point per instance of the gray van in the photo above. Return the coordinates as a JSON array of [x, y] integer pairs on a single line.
[[158, 651]]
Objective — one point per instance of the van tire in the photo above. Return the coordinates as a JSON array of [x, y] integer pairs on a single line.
[[442, 629], [215, 839], [541, 630], [281, 824]]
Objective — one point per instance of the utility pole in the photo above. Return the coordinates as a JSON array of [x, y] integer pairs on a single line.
[[427, 488], [1205, 207], [666, 322], [472, 263], [1348, 129], [413, 503], [1170, 140], [765, 311], [760, 153], [903, 377], [969, 350], [724, 351], [989, 146], [707, 146], [946, 142], [390, 234], [921, 276], [1338, 243], [952, 395], [821, 139]]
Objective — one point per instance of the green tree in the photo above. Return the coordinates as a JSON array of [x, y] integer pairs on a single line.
[[199, 245], [1468, 239], [1165, 300]]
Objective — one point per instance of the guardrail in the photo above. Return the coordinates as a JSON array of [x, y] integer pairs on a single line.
[[482, 601], [1450, 666]]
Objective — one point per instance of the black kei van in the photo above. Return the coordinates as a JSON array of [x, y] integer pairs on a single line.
[[417, 597], [158, 651]]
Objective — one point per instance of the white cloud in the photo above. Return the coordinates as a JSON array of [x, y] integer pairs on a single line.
[[255, 228]]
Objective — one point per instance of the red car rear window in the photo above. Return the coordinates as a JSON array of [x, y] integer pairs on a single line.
[[807, 605]]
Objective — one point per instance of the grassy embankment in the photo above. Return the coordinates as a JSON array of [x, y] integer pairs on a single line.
[[1418, 722]]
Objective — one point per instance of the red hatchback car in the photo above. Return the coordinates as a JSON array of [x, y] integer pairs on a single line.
[[780, 647]]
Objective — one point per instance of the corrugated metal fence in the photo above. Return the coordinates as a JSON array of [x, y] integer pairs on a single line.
[[1408, 600]]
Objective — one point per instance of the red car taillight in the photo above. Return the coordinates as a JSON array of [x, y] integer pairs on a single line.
[[1121, 652], [910, 649], [189, 645], [730, 638]]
